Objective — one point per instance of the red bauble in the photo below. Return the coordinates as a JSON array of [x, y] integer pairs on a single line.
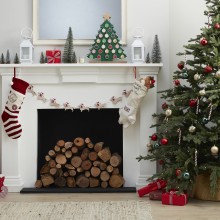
[[180, 65], [203, 41], [164, 106], [161, 162], [208, 69], [164, 141], [154, 137], [192, 102], [176, 82], [178, 172], [217, 26]]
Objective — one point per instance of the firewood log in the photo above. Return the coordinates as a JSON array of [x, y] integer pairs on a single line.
[[109, 168], [74, 150], [95, 171], [102, 166], [38, 184], [61, 159], [87, 140], [96, 163], [47, 158], [85, 154], [115, 160], [51, 153], [70, 182], [93, 156], [98, 146], [60, 181], [61, 143], [82, 181], [68, 145], [104, 185], [52, 163], [70, 167], [79, 142], [72, 172], [76, 161], [66, 174], [116, 181], [93, 182], [63, 149], [58, 166], [57, 148], [115, 171], [53, 171], [59, 172], [104, 154], [47, 179], [45, 169], [68, 154], [89, 143], [86, 164], [87, 173], [104, 176], [79, 169]]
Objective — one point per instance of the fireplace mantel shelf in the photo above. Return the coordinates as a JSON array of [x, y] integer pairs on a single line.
[[81, 73]]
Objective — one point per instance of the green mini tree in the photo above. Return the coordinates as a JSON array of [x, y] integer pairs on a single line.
[[69, 55], [106, 46], [187, 140], [16, 59], [2, 59], [42, 58], [147, 60], [8, 60], [156, 52]]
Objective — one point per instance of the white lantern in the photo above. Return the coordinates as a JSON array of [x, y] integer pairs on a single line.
[[137, 50], [26, 47]]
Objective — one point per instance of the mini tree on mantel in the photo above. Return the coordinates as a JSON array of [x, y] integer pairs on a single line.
[[106, 46]]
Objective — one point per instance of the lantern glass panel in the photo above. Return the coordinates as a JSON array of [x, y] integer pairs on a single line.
[[137, 53], [25, 53]]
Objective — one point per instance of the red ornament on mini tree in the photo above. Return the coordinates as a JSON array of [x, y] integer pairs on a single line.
[[208, 69], [217, 26], [164, 141], [178, 172], [192, 102], [154, 137], [203, 41]]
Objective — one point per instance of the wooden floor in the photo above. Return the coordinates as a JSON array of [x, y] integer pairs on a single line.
[[194, 210]]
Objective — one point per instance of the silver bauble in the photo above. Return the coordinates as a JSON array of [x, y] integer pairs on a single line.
[[192, 129], [196, 76]]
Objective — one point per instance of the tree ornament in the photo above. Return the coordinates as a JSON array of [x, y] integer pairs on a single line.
[[178, 172], [149, 146], [202, 92], [156, 145], [205, 120], [164, 141], [161, 162], [196, 76], [217, 74], [192, 102], [184, 74], [217, 26], [203, 41], [208, 69], [192, 129], [176, 82], [154, 137], [180, 65], [214, 150], [186, 175], [164, 106], [168, 112]]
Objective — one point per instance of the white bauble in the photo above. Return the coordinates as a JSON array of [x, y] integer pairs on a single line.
[[202, 92], [192, 129], [214, 150], [217, 74], [196, 76], [168, 112]]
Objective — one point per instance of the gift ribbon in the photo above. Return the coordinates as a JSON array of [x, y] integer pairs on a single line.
[[171, 197], [55, 55]]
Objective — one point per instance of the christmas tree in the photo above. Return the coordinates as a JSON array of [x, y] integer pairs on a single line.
[[8, 60], [156, 52], [69, 55], [42, 58], [147, 60], [16, 59], [2, 59], [187, 140], [106, 46]]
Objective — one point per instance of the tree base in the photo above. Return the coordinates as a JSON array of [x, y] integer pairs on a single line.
[[202, 188]]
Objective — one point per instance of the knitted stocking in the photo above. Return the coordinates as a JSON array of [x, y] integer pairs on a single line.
[[12, 108]]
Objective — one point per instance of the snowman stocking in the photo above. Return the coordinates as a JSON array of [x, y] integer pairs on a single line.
[[129, 111], [12, 108]]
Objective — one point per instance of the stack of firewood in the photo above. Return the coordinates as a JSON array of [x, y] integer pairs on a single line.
[[81, 164]]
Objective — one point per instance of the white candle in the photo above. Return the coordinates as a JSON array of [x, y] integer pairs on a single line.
[[81, 60]]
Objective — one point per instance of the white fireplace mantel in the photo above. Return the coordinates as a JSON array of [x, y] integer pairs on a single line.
[[76, 83]]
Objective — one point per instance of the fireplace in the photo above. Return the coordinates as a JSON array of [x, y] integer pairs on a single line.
[[76, 83]]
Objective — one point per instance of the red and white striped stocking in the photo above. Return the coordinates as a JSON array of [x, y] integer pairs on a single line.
[[12, 108]]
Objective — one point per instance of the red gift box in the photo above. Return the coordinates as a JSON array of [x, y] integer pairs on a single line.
[[156, 195], [1, 182], [172, 198], [158, 184], [53, 56]]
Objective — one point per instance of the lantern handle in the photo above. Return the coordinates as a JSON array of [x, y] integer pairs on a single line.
[[139, 32], [26, 33]]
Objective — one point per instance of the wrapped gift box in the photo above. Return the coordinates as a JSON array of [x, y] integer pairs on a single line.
[[53, 56], [156, 195], [158, 184], [172, 198]]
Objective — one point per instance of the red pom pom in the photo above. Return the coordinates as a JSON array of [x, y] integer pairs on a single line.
[[164, 141], [192, 102], [154, 137], [203, 41], [208, 69]]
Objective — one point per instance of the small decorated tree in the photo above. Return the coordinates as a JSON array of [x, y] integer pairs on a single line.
[[147, 58], [8, 61], [16, 59], [106, 46], [2, 59], [42, 58], [156, 52], [69, 55]]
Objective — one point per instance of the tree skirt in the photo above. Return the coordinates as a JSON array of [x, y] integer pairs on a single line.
[[102, 210]]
